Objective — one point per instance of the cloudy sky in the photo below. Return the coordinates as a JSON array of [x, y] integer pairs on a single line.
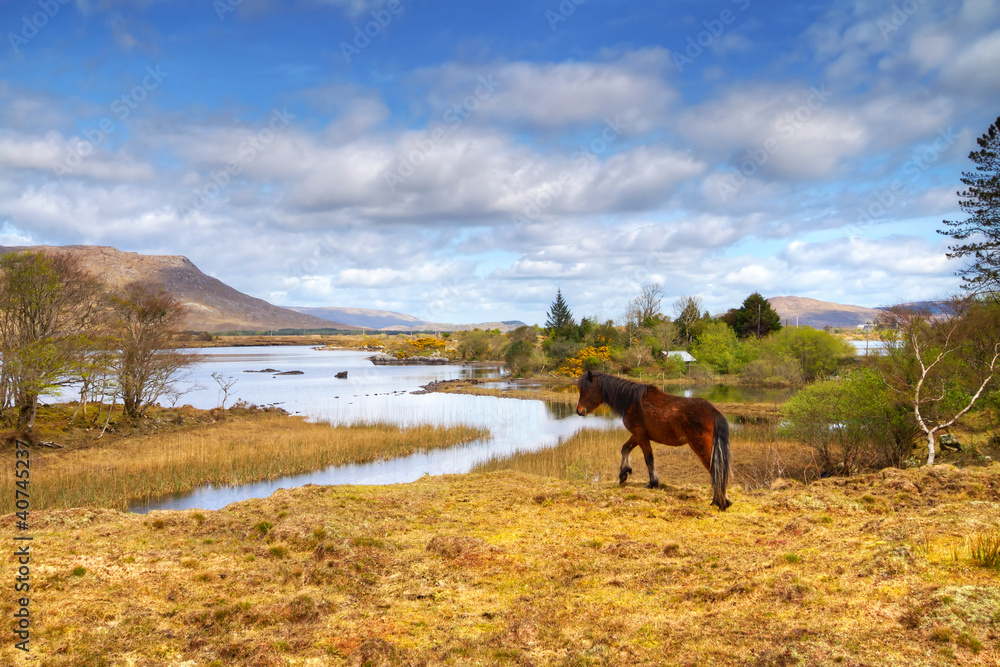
[[460, 161]]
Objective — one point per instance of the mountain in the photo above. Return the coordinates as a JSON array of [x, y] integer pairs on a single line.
[[210, 304], [387, 320], [818, 314], [362, 317]]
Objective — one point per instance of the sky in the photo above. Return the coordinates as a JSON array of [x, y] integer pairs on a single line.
[[463, 161]]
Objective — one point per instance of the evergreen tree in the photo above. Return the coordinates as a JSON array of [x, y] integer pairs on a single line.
[[756, 317], [559, 315], [981, 200]]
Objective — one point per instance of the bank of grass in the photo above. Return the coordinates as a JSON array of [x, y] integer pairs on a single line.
[[240, 448], [512, 569]]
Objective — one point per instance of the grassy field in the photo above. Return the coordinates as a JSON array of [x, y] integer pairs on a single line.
[[236, 447], [514, 569]]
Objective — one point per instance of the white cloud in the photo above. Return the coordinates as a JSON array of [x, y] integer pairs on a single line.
[[549, 96]]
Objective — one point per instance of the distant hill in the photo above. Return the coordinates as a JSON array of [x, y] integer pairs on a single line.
[[387, 320], [362, 317], [819, 314], [210, 304]]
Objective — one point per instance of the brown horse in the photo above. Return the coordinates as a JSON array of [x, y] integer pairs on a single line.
[[652, 415]]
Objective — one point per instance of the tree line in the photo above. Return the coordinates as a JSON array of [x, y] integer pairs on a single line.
[[60, 326]]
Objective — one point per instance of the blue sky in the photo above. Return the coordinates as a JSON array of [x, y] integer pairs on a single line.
[[461, 161]]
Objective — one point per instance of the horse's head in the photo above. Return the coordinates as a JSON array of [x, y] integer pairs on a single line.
[[590, 394]]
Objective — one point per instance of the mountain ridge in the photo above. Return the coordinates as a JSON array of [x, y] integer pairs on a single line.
[[387, 320], [210, 304], [806, 311]]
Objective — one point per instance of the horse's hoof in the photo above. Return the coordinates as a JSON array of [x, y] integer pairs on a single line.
[[653, 485], [622, 479], [723, 506]]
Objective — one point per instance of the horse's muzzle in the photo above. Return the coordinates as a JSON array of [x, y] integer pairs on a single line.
[[582, 411]]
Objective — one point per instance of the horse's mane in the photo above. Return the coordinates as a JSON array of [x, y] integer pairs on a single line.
[[618, 393]]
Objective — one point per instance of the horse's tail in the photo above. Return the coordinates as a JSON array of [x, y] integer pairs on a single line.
[[720, 462]]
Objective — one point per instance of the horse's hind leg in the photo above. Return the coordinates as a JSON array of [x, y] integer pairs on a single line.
[[702, 446], [625, 470], [647, 451]]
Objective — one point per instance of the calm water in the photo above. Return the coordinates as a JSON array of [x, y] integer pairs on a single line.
[[864, 347], [370, 393]]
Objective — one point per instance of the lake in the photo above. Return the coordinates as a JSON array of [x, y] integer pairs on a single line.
[[370, 393]]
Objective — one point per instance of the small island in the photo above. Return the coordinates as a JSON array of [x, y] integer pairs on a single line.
[[383, 359]]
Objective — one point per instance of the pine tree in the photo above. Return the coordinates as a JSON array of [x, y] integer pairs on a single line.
[[756, 317], [559, 315], [981, 200]]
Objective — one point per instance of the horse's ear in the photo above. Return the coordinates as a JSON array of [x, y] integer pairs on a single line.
[[590, 376]]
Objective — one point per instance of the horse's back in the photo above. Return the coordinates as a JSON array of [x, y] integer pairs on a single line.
[[669, 419], [658, 398]]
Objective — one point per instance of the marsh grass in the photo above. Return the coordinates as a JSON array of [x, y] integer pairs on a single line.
[[984, 548], [236, 451]]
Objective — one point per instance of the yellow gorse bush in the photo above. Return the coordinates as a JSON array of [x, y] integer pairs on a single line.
[[575, 365], [420, 347]]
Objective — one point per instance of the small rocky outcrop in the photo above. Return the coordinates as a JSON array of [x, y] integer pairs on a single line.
[[384, 359]]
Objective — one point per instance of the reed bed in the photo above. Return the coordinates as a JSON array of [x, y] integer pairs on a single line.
[[237, 451]]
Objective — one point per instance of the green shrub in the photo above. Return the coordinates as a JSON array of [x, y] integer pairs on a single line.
[[854, 420], [559, 350], [718, 347]]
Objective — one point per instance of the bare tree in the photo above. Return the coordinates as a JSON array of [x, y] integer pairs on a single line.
[[687, 311], [225, 384], [644, 309], [940, 364], [145, 320]]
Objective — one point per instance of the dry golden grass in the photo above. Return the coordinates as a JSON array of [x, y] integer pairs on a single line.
[[513, 569], [237, 450]]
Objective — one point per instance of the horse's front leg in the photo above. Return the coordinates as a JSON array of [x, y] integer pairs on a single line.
[[625, 470]]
